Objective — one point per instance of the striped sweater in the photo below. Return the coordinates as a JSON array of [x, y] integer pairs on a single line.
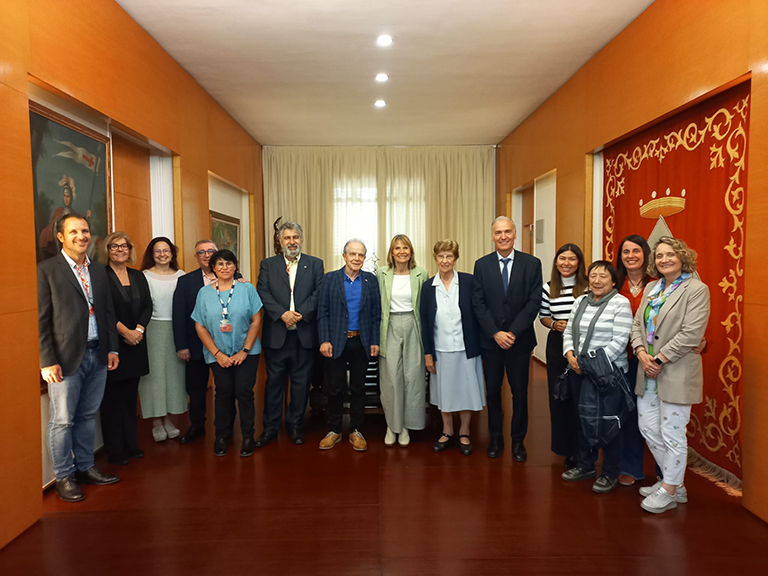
[[558, 308], [611, 331]]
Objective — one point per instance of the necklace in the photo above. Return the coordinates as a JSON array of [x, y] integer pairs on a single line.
[[635, 289]]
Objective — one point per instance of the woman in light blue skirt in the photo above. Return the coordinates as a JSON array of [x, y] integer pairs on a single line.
[[451, 338]]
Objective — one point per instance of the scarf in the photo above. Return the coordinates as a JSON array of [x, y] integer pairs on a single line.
[[656, 300], [589, 300]]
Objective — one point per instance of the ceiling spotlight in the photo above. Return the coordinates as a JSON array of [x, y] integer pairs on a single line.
[[381, 77], [380, 104], [384, 40]]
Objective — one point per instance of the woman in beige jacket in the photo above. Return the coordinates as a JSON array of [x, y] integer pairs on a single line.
[[667, 329]]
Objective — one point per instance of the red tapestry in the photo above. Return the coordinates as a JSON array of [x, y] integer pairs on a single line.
[[687, 177]]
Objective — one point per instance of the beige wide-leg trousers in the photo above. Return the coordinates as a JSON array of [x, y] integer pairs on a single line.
[[402, 376]]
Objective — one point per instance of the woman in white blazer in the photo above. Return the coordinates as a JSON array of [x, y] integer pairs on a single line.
[[667, 329]]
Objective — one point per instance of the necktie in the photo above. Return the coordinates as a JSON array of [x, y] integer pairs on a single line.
[[505, 274]]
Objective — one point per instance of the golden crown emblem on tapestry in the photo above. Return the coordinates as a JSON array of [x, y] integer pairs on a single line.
[[666, 205]]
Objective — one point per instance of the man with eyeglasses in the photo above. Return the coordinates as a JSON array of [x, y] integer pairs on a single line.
[[188, 345], [78, 345], [289, 287]]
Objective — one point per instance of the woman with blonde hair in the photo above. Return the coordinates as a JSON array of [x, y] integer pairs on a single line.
[[133, 310], [666, 332], [401, 365]]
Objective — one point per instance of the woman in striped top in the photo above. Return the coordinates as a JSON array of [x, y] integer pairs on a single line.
[[611, 333], [568, 277]]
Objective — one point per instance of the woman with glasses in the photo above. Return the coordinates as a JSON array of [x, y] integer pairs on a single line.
[[162, 391], [133, 309], [227, 317]]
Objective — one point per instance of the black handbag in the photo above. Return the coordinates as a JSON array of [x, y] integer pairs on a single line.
[[561, 390]]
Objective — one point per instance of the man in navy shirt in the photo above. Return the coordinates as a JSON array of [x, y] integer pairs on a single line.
[[348, 321]]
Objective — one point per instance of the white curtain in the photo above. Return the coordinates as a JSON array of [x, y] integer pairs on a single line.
[[429, 193]]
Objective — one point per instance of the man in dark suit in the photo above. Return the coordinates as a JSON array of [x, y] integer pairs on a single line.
[[289, 287], [348, 322], [78, 344], [507, 297], [188, 345]]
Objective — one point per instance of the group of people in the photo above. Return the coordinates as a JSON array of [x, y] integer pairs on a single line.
[[110, 333]]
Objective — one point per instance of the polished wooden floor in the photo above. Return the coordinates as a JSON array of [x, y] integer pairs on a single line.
[[297, 510]]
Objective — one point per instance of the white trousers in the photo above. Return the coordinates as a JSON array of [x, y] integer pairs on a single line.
[[663, 425]]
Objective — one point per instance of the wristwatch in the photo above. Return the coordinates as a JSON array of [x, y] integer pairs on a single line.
[[139, 329], [246, 350]]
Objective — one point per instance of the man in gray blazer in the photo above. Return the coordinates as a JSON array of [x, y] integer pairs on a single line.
[[289, 286], [78, 343]]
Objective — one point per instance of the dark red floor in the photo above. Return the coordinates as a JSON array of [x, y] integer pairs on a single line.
[[297, 510]]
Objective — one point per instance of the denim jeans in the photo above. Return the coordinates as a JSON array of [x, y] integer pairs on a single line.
[[73, 405]]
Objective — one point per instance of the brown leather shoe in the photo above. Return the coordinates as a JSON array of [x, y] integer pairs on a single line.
[[626, 480], [357, 441], [330, 440]]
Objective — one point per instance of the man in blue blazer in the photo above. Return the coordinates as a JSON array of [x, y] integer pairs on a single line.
[[506, 297], [348, 322], [289, 287], [188, 345]]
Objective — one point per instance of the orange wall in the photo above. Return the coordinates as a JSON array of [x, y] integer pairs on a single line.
[[92, 52], [676, 51]]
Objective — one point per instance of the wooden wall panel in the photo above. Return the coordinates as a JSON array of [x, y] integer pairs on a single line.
[[674, 52], [133, 194], [129, 78]]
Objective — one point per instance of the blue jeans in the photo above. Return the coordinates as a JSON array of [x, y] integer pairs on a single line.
[[73, 405]]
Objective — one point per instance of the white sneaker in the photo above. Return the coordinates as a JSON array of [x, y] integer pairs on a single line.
[[171, 430], [390, 438], [659, 502], [404, 438], [681, 495]]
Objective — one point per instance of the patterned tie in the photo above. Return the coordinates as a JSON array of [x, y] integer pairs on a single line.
[[505, 274]]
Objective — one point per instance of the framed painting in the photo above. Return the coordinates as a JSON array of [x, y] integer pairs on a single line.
[[70, 173], [225, 232]]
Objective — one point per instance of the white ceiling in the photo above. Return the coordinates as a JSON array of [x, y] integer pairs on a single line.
[[301, 72]]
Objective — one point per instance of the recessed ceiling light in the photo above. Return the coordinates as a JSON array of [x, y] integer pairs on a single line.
[[380, 104], [381, 77], [384, 40]]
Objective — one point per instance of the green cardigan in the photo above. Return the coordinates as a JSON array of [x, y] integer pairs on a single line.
[[386, 277]]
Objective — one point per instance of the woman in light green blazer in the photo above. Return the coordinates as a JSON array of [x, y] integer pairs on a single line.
[[402, 375]]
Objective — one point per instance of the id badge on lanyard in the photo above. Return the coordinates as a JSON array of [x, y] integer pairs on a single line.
[[225, 324]]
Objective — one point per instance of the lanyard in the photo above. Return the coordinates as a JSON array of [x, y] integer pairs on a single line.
[[86, 286], [225, 307]]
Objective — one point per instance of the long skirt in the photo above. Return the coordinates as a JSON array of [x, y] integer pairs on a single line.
[[563, 415], [402, 375], [163, 390], [458, 384]]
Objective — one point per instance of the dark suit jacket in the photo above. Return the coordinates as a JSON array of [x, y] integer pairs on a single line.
[[63, 314], [134, 361], [469, 326], [275, 292], [333, 317], [514, 311], [184, 299]]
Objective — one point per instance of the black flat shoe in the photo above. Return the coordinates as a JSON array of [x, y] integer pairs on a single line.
[[265, 439], [220, 447], [496, 448], [135, 453], [570, 462], [248, 448], [118, 459], [441, 446], [465, 449], [296, 435], [69, 490], [192, 434], [519, 453], [93, 476]]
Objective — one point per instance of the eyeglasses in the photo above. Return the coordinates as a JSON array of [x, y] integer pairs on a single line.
[[225, 264], [119, 247], [210, 252], [162, 251]]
